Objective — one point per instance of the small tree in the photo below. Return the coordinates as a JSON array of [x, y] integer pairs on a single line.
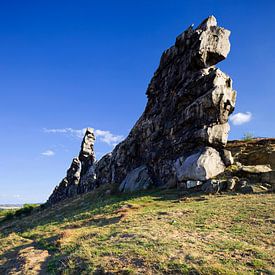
[[248, 136]]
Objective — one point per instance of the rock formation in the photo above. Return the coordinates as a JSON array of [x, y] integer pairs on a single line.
[[80, 173], [255, 160], [183, 131], [252, 171]]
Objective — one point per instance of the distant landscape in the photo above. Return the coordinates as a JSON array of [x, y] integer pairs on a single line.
[[10, 206]]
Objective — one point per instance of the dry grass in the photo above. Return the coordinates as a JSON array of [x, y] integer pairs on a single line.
[[153, 233]]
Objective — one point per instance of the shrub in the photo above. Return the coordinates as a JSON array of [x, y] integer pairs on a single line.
[[25, 210], [9, 215], [248, 136]]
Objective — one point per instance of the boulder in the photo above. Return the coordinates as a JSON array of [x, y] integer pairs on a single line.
[[211, 187], [137, 179], [241, 185], [231, 183], [248, 189], [193, 183], [201, 166]]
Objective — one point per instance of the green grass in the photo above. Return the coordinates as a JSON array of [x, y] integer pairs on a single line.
[[27, 209], [155, 232], [3, 213]]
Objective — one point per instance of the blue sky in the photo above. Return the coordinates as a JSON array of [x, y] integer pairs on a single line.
[[76, 64]]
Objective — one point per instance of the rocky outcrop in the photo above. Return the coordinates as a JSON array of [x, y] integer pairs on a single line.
[[258, 151], [252, 171], [255, 159], [183, 131], [80, 173]]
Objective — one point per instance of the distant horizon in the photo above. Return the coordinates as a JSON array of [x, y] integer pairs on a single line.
[[67, 66]]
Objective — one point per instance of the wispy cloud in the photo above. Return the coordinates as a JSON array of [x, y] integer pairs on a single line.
[[108, 137], [240, 118], [79, 133], [101, 135], [48, 153], [6, 196]]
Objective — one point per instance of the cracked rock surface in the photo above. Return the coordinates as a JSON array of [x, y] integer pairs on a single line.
[[183, 131]]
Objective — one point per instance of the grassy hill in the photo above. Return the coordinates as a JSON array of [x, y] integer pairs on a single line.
[[155, 232]]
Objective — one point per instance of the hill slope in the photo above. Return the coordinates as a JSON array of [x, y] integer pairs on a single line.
[[155, 232]]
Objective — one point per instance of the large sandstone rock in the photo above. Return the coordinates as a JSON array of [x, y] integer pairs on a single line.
[[200, 166], [138, 179], [186, 118]]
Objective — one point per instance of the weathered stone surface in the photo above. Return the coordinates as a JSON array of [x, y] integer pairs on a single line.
[[231, 183], [227, 157], [80, 175], [202, 166], [256, 169], [246, 189], [184, 127], [269, 177], [193, 183], [87, 180], [255, 159], [259, 151], [136, 180], [87, 155], [73, 173], [211, 187]]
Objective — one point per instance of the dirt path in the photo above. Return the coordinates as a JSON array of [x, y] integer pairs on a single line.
[[24, 259]]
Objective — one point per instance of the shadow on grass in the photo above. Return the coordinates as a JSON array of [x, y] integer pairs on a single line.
[[26, 258], [80, 208], [99, 222], [88, 206]]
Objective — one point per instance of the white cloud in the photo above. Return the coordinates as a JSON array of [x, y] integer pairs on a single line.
[[48, 153], [69, 131], [4, 196], [108, 137], [240, 118], [103, 136]]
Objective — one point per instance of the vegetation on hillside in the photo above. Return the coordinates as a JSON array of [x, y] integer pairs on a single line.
[[9, 214], [154, 232]]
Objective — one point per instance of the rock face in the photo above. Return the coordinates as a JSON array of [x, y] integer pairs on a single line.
[[183, 131]]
